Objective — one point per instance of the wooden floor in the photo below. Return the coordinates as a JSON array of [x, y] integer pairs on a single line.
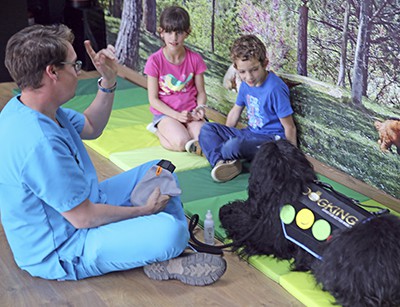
[[242, 285]]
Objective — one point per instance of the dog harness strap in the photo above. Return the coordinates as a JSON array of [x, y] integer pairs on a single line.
[[215, 249]]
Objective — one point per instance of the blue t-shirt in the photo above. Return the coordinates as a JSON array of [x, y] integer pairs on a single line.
[[266, 104], [44, 170]]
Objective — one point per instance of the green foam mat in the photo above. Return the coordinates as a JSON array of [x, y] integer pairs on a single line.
[[126, 95], [373, 205], [270, 266], [213, 204], [304, 287], [197, 184]]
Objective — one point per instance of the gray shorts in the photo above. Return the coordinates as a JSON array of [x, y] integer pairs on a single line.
[[157, 119]]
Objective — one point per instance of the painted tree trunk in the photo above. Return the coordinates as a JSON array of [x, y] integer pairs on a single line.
[[360, 63], [302, 40], [127, 44], [115, 8], [150, 16], [343, 51]]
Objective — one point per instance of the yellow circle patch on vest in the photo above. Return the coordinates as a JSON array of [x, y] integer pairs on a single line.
[[305, 218]]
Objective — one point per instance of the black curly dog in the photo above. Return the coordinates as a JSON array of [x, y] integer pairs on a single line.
[[360, 266]]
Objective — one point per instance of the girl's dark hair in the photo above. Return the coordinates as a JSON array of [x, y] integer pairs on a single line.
[[174, 19]]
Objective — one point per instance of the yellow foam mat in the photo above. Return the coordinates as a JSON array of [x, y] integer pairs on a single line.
[[122, 140], [139, 115], [304, 287], [271, 267], [182, 160], [126, 130]]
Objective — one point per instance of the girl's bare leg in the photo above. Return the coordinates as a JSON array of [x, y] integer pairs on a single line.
[[173, 134], [194, 128]]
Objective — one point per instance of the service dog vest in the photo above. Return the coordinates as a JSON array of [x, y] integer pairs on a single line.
[[318, 214]]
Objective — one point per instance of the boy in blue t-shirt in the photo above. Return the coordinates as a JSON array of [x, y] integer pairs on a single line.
[[269, 112]]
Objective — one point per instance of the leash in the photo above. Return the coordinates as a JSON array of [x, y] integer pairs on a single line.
[[345, 198], [214, 249]]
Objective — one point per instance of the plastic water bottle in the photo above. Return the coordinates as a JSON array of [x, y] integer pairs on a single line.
[[209, 229]]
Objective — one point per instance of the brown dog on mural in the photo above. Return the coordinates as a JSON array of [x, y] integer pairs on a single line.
[[389, 134], [232, 80]]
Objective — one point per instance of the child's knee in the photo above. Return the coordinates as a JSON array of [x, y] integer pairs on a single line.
[[207, 129], [175, 144], [230, 148]]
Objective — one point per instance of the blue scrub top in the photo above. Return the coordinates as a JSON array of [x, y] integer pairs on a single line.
[[44, 170]]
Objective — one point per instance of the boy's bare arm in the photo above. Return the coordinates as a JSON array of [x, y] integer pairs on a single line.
[[234, 116], [290, 129]]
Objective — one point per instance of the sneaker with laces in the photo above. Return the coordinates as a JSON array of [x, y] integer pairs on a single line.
[[198, 269], [193, 147], [150, 127], [226, 170]]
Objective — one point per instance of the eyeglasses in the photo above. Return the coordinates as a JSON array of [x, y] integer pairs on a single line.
[[77, 65]]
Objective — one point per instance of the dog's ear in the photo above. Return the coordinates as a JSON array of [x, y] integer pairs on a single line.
[[279, 172]]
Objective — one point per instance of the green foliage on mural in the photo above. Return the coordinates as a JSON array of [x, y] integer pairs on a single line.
[[276, 23], [226, 23], [336, 133]]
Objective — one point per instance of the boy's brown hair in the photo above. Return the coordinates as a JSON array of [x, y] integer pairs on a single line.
[[248, 47]]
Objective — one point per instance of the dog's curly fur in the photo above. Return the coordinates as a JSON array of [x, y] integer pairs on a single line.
[[360, 266]]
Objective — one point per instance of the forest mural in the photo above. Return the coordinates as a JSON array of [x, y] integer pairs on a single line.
[[340, 59]]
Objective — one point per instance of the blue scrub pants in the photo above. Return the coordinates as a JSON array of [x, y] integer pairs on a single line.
[[219, 142], [134, 242]]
